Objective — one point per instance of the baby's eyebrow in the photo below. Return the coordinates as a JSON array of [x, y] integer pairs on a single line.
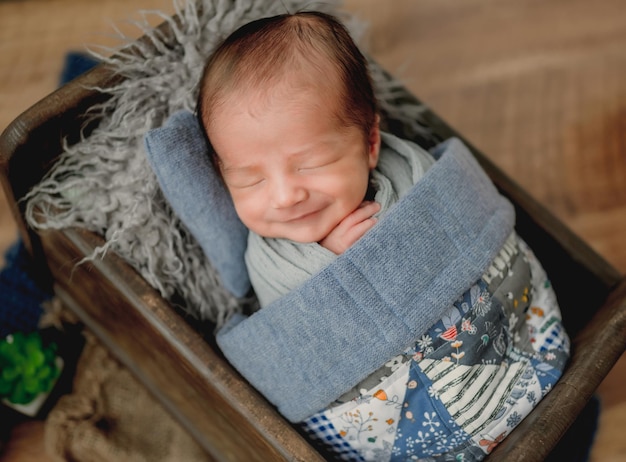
[[230, 167], [238, 169], [318, 149]]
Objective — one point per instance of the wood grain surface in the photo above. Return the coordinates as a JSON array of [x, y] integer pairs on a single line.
[[537, 86]]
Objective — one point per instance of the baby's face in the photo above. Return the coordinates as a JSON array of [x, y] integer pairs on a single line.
[[293, 172]]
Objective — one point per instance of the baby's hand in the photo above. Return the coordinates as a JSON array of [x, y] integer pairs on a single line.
[[351, 228]]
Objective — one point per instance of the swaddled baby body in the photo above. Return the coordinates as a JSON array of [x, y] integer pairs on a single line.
[[402, 316]]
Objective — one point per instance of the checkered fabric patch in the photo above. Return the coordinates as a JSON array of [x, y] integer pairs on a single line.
[[556, 338], [319, 428]]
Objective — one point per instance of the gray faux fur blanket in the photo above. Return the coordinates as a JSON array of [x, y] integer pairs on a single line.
[[104, 182]]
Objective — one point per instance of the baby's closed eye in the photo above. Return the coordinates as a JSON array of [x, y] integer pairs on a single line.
[[242, 181], [318, 162]]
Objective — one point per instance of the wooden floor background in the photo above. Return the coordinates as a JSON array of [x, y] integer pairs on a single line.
[[538, 85]]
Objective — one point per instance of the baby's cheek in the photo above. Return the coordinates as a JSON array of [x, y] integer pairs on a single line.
[[248, 211]]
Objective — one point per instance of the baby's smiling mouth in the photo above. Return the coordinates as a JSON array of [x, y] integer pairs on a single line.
[[303, 216]]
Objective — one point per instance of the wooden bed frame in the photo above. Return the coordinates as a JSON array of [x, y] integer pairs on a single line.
[[186, 372]]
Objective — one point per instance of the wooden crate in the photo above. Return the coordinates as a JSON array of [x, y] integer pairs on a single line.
[[186, 372]]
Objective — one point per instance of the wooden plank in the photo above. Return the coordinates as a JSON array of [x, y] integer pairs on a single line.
[[227, 417], [33, 141]]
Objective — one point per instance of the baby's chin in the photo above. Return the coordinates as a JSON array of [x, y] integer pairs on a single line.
[[301, 236]]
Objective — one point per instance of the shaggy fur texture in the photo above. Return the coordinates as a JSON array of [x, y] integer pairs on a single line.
[[104, 182]]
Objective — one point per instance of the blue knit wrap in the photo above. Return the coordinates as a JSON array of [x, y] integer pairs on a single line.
[[307, 348]]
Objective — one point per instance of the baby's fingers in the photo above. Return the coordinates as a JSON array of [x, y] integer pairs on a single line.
[[352, 228], [363, 212], [357, 231]]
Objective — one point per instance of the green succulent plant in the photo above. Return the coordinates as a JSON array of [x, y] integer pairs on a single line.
[[27, 367]]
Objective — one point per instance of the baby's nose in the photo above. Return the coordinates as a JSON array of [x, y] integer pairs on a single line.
[[287, 192]]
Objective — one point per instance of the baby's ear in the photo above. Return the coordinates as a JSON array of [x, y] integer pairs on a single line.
[[373, 143]]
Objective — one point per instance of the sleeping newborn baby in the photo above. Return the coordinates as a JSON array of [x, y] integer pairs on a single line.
[[402, 317]]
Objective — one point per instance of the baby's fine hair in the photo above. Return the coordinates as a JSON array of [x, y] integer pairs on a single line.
[[262, 52]]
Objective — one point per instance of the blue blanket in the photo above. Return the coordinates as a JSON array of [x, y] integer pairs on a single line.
[[381, 295]]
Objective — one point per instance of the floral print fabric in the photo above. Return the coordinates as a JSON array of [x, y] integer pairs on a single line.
[[466, 382]]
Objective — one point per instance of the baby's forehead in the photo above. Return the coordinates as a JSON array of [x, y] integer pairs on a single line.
[[286, 86], [315, 70]]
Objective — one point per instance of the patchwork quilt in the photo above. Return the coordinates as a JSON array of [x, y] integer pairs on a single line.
[[430, 338], [466, 382]]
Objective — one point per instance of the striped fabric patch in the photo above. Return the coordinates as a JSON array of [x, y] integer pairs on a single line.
[[474, 395]]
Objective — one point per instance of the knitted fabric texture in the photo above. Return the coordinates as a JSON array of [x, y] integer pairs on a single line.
[[20, 295], [380, 295], [104, 182], [178, 154], [107, 414]]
